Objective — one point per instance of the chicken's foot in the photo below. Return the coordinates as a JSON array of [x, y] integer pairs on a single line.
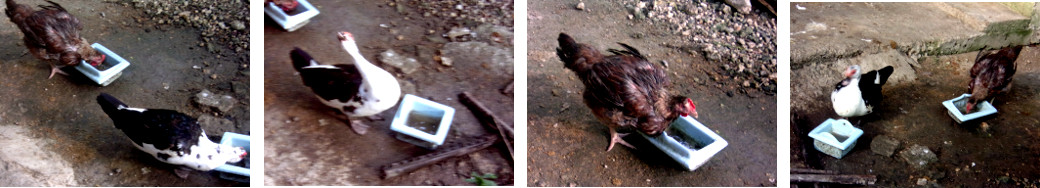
[[57, 69], [615, 137]]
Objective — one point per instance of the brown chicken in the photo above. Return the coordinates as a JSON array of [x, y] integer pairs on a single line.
[[991, 74], [624, 89], [51, 33]]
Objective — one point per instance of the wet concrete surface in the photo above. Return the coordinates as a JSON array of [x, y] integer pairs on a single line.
[[1001, 156], [77, 143], [567, 143], [305, 143]]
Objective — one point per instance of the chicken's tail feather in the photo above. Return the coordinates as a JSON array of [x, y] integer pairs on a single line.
[[53, 6], [629, 50], [300, 58]]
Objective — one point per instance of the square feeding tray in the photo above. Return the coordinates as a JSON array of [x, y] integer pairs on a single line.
[[954, 105], [835, 137], [114, 65], [239, 171], [422, 122], [293, 20], [688, 142]]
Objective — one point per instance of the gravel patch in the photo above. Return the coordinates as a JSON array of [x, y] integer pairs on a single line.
[[494, 12], [221, 22], [744, 44]]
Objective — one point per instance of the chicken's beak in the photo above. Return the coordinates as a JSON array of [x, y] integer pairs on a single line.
[[695, 114], [97, 61]]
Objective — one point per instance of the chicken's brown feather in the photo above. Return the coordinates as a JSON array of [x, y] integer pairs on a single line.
[[623, 89], [51, 33]]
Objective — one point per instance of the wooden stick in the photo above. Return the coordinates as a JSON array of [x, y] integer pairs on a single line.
[[829, 178], [489, 120], [811, 171], [412, 164], [768, 7]]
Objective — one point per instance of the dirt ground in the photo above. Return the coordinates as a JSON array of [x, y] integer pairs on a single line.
[[57, 135], [305, 144], [1001, 156], [566, 143]]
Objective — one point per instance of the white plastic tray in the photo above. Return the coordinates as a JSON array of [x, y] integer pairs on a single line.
[[952, 106], [690, 130], [415, 136], [115, 64], [827, 133], [291, 23]]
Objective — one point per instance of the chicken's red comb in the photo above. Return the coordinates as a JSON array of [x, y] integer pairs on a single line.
[[688, 100]]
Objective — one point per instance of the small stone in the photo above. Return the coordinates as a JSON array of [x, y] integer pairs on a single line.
[[238, 25], [445, 61], [884, 145], [1004, 179], [615, 181], [215, 126], [406, 65], [580, 6], [208, 100], [458, 31], [400, 37], [922, 181], [918, 156]]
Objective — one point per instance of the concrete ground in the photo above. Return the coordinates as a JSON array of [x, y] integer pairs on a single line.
[[567, 143], [933, 28], [53, 132], [911, 112], [305, 144]]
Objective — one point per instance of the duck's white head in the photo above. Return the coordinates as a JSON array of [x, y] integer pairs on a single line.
[[348, 42], [852, 72], [236, 154]]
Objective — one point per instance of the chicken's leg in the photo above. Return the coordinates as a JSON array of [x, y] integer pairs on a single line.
[[57, 69], [615, 137]]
